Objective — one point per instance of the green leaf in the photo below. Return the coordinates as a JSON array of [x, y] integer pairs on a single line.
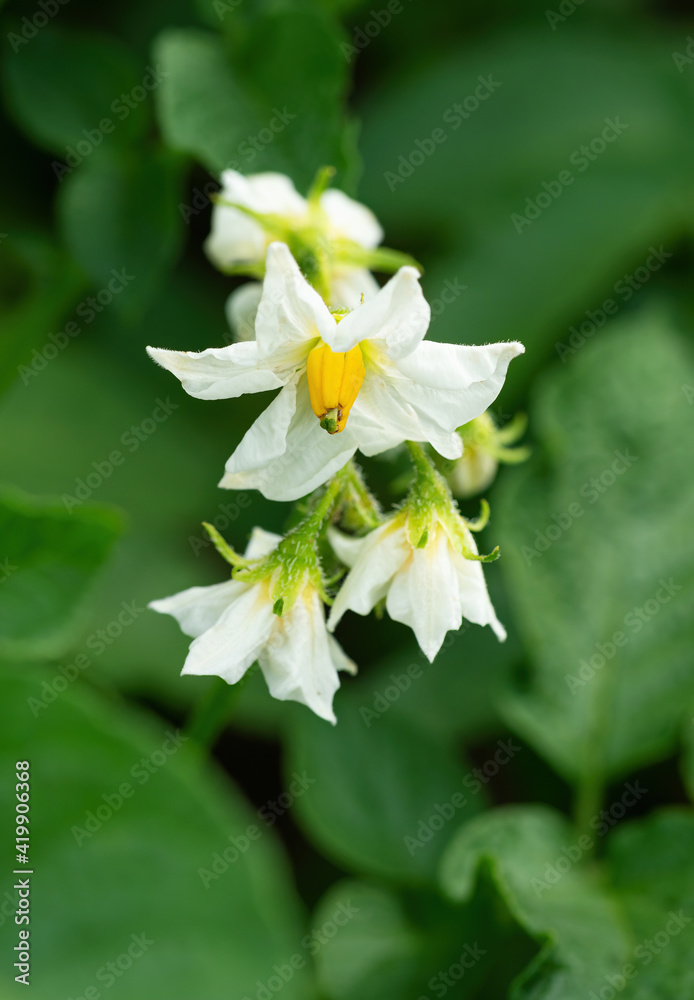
[[50, 555], [453, 696], [376, 950], [492, 155], [598, 554], [201, 106], [293, 64], [534, 855], [72, 89], [415, 944], [386, 797], [277, 104], [38, 284], [120, 217], [652, 873], [128, 818]]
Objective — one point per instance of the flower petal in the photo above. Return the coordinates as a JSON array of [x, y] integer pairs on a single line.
[[348, 219], [382, 553], [290, 312], [236, 238], [230, 647], [465, 380], [474, 597], [261, 543], [383, 418], [297, 662], [286, 453], [351, 285], [424, 595], [199, 608], [222, 372], [345, 547], [241, 308], [396, 318], [340, 659]]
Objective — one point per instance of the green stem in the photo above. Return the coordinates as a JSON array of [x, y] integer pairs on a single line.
[[323, 508], [420, 459], [361, 498], [210, 714]]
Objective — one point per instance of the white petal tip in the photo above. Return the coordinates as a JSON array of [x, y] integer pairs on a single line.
[[500, 632]]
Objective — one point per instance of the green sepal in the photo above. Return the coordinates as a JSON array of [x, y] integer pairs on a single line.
[[225, 550], [377, 259], [482, 520]]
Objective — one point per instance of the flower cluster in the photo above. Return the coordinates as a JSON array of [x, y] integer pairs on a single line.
[[354, 373]]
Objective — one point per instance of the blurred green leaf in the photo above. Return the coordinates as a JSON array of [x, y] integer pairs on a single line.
[[275, 104], [38, 284], [567, 912], [527, 101], [598, 554], [415, 944], [453, 696], [386, 797], [120, 217], [132, 824], [66, 88], [652, 873], [49, 556], [374, 955], [201, 106], [294, 66]]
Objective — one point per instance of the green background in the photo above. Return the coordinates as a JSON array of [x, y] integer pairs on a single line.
[[569, 871]]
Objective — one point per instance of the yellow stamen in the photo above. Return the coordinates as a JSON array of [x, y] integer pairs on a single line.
[[334, 381]]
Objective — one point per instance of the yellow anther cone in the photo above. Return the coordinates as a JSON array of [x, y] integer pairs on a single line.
[[334, 381]]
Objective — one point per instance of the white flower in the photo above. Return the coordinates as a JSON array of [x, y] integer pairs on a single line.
[[238, 239], [241, 309], [430, 588], [486, 445], [233, 624], [379, 383]]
